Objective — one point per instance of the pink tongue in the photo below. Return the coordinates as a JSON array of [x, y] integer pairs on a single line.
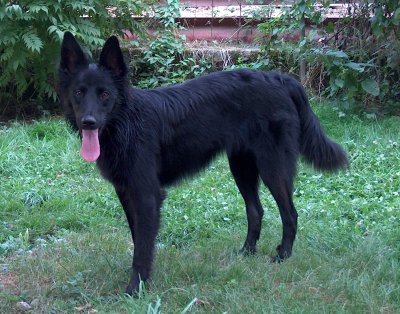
[[90, 149]]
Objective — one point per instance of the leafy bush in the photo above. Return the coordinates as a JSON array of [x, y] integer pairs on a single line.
[[355, 60], [30, 34], [165, 60]]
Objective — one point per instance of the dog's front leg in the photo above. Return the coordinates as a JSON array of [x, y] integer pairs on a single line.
[[142, 209]]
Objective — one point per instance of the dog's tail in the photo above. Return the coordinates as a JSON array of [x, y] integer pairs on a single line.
[[316, 147]]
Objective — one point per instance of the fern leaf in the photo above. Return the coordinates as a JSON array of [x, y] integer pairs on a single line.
[[8, 38], [32, 42], [7, 54], [13, 9], [36, 8], [51, 29]]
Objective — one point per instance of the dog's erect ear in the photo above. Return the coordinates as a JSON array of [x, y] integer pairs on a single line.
[[72, 56], [112, 59]]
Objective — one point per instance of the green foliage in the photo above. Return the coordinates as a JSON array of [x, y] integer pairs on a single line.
[[30, 34], [345, 74], [282, 33], [372, 63], [165, 60], [354, 60]]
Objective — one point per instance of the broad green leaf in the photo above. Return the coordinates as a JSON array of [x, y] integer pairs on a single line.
[[396, 17], [339, 83], [351, 82], [355, 66], [371, 87], [330, 27], [337, 54]]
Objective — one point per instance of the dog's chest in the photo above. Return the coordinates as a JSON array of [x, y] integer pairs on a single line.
[[111, 161]]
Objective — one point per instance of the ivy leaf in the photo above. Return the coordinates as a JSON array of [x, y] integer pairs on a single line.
[[371, 87]]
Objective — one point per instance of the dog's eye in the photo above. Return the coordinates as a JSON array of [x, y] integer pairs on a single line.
[[78, 93], [104, 95]]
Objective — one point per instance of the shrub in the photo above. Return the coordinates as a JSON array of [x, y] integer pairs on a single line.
[[165, 60], [30, 34], [356, 59]]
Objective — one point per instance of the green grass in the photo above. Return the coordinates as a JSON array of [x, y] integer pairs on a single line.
[[64, 241]]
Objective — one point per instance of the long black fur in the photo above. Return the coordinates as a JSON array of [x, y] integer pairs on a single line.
[[150, 139]]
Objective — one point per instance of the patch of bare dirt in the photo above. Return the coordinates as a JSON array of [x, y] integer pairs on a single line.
[[9, 282]]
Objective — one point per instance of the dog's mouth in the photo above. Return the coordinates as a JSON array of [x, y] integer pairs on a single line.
[[90, 149]]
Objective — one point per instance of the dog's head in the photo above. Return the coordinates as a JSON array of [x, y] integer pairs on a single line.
[[89, 92]]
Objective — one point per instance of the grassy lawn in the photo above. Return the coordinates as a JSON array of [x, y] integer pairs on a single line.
[[65, 245]]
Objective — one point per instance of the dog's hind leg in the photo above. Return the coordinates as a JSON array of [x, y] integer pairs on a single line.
[[277, 172], [245, 172]]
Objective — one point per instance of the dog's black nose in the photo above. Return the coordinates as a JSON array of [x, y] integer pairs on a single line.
[[88, 121]]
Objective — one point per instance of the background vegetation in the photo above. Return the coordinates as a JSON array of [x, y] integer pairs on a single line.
[[30, 37], [353, 61]]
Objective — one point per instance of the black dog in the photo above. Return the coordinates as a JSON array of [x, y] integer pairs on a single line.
[[144, 140]]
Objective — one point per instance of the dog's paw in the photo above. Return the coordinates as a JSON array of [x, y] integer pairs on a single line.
[[281, 256], [247, 250], [277, 259]]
